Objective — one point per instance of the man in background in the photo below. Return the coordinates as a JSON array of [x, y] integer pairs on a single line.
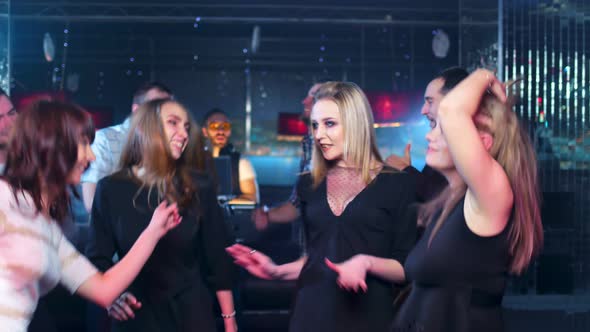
[[429, 182], [217, 129]]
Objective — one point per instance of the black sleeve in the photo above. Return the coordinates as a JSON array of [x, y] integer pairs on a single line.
[[214, 237], [101, 239], [428, 182], [303, 187], [294, 198], [411, 170], [405, 230], [432, 183]]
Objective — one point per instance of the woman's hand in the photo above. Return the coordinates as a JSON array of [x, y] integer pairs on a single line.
[[255, 262], [351, 273], [466, 96], [230, 324], [123, 308], [165, 218], [260, 218]]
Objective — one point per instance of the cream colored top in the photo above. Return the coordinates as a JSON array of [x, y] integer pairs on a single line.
[[34, 257]]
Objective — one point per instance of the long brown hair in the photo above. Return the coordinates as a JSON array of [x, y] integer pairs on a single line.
[[360, 144], [147, 148], [42, 152], [513, 150]]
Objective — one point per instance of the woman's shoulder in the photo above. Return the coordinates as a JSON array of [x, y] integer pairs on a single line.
[[9, 201], [305, 176], [118, 176], [6, 194], [117, 180], [4, 186], [304, 181], [394, 173], [395, 179]]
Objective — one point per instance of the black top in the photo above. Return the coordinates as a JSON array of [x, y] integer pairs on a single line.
[[174, 284], [457, 282], [373, 223], [429, 182]]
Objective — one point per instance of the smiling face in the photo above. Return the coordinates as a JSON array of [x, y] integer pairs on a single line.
[[438, 155], [327, 129], [176, 128], [85, 157]]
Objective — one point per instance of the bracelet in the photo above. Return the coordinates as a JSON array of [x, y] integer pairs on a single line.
[[265, 210], [227, 316]]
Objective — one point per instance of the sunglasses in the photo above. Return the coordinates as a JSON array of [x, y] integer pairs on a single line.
[[219, 126]]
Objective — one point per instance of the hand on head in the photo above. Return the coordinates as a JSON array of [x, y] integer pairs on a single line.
[[466, 96], [495, 87]]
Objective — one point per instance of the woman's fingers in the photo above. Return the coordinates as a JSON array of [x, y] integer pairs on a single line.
[[498, 89], [332, 266], [363, 286], [117, 312], [132, 300], [244, 261], [238, 249], [352, 285], [494, 85]]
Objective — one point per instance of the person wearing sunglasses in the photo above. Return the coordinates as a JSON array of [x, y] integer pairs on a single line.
[[217, 128]]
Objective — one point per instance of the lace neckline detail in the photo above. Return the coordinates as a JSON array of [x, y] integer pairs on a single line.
[[343, 185]]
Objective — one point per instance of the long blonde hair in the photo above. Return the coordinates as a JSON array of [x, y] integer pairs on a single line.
[[360, 147], [512, 149], [146, 148]]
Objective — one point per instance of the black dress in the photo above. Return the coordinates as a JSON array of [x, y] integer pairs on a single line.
[[174, 284], [373, 223], [458, 282]]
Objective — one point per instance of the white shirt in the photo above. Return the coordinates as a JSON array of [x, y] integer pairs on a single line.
[[34, 257], [246, 170], [107, 147]]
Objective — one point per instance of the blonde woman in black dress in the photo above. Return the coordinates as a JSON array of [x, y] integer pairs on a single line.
[[354, 214]]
